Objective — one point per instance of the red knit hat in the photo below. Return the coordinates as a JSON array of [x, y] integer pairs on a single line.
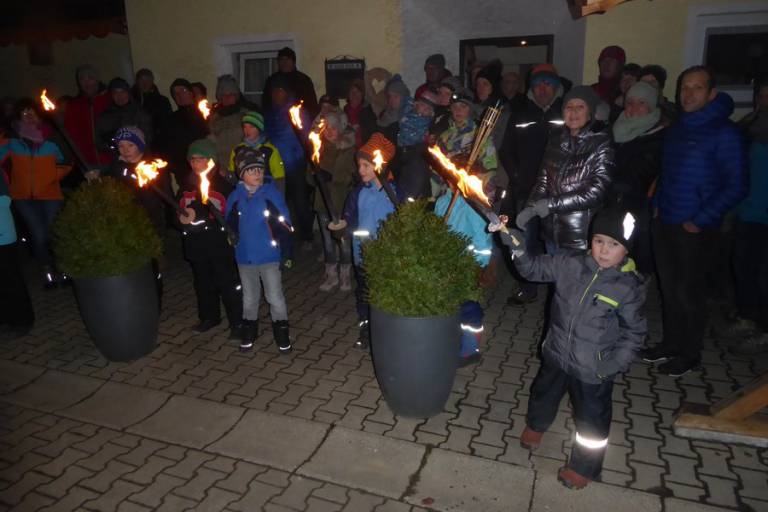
[[380, 142], [614, 52]]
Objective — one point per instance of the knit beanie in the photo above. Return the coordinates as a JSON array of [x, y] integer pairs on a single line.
[[118, 84], [437, 59], [132, 134], [380, 142], [492, 72], [614, 52], [202, 147], [645, 92], [586, 94], [249, 158], [255, 119], [616, 223], [397, 86], [287, 52], [428, 98], [226, 84], [144, 72], [544, 73], [464, 95], [451, 82]]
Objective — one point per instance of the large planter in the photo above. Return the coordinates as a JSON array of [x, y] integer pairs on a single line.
[[120, 312], [415, 361]]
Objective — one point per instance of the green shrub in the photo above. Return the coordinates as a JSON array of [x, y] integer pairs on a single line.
[[103, 231], [419, 267]]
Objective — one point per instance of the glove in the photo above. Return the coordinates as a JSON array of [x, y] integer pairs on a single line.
[[513, 239], [538, 209], [607, 368]]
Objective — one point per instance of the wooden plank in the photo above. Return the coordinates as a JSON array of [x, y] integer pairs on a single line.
[[744, 402], [581, 8], [695, 421]]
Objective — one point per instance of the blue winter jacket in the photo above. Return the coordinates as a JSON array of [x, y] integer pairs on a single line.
[[280, 132], [703, 167], [7, 227], [366, 208], [258, 243], [754, 208], [466, 221]]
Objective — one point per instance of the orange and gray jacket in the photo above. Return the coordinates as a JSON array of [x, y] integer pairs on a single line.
[[35, 169]]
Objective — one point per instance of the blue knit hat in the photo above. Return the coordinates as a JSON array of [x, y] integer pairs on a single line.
[[131, 134]]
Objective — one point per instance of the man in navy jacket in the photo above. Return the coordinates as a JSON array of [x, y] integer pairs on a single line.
[[703, 177]]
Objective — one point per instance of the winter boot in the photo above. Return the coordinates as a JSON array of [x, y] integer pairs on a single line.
[[280, 331], [753, 345], [364, 340], [530, 439], [250, 332], [345, 273], [331, 278], [571, 479]]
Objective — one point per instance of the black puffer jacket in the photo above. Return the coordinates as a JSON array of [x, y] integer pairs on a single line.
[[638, 164], [574, 176]]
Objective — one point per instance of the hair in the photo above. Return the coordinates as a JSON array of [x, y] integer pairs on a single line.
[[632, 69], [24, 104], [711, 81], [200, 86], [657, 71]]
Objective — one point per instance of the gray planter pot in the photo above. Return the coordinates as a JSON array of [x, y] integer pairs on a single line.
[[415, 361]]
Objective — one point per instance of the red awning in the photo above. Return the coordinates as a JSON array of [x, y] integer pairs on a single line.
[[63, 31]]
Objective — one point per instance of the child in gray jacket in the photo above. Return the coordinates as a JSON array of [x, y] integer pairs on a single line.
[[597, 324]]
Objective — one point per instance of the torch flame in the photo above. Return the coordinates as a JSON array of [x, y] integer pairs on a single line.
[[204, 108], [148, 171], [205, 183], [47, 104], [468, 185], [378, 160], [295, 112], [317, 142]]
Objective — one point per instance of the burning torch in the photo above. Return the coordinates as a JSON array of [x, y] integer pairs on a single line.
[[146, 172], [205, 185], [50, 107], [204, 108], [378, 162]]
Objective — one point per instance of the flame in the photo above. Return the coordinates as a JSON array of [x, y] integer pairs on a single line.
[[204, 108], [378, 160], [295, 112], [205, 183], [468, 185], [148, 171], [47, 104], [317, 142]]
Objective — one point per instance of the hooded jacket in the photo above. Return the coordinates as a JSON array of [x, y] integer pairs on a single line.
[[80, 122], [597, 319], [36, 169], [574, 176], [703, 172]]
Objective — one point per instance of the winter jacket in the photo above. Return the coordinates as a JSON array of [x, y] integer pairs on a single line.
[[226, 129], [637, 165], [466, 221], [339, 171], [35, 169], [363, 122], [182, 128], [280, 132], [528, 130], [412, 172], [703, 167], [366, 208], [205, 238], [156, 105], [754, 208], [7, 226], [114, 118], [80, 122], [275, 167], [574, 176], [301, 88], [258, 241], [597, 317]]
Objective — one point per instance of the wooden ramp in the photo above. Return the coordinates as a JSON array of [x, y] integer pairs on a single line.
[[734, 419]]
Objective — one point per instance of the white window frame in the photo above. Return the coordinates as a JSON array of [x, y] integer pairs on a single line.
[[242, 58], [227, 49]]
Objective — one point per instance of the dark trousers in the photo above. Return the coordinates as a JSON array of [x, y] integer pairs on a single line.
[[361, 294], [15, 305], [592, 408], [750, 271], [216, 278], [683, 262], [38, 215], [297, 197], [335, 251]]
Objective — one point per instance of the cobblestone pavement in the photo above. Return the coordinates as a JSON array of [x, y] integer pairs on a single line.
[[198, 425]]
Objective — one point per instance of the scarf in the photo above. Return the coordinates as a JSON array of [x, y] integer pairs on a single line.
[[626, 128], [413, 128]]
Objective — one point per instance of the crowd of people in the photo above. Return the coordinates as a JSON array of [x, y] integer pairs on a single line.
[[589, 174]]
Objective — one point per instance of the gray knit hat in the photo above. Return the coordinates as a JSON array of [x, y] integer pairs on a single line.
[[397, 86], [226, 84], [586, 94], [645, 92]]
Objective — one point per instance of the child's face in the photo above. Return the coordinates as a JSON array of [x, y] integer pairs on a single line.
[[423, 109], [198, 163], [253, 177], [366, 169], [607, 252], [460, 112], [251, 132], [129, 151]]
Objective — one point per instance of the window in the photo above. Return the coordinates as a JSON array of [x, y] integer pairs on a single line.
[[253, 69], [737, 55], [517, 54]]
